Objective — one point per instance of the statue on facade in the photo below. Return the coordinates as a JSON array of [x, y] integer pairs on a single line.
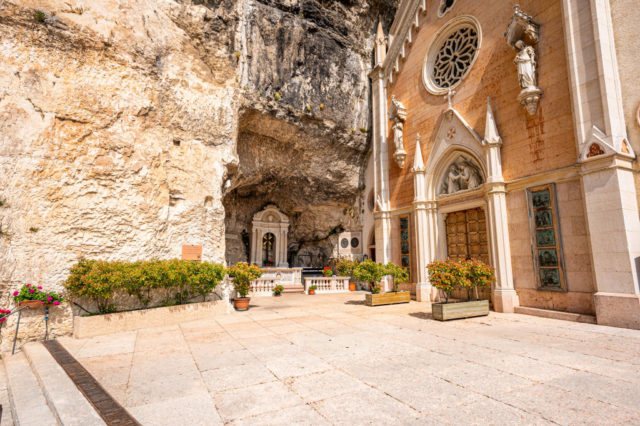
[[526, 62], [523, 34], [397, 115]]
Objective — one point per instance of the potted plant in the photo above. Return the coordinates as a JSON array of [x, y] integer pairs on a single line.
[[327, 272], [277, 290], [34, 296], [373, 272], [447, 276], [268, 262], [242, 274], [345, 268], [312, 289]]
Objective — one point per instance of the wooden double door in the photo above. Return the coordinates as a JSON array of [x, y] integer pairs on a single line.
[[467, 239]]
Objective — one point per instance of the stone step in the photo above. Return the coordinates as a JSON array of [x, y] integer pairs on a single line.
[[559, 315], [28, 403], [293, 289], [65, 399]]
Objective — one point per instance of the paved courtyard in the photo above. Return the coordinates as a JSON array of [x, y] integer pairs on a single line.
[[328, 359]]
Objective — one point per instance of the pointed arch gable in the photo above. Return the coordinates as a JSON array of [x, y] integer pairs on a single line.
[[454, 137]]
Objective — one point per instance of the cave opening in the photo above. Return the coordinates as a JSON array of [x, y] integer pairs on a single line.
[[312, 177]]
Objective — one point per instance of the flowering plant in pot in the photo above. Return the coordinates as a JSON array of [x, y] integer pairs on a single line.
[[269, 262], [34, 296], [312, 289], [277, 290], [448, 275], [345, 268], [3, 314], [242, 274], [327, 272]]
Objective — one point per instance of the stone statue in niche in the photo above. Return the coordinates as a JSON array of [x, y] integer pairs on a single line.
[[461, 175], [526, 62], [522, 35], [397, 115]]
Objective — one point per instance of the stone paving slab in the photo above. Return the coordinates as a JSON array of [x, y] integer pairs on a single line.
[[329, 359]]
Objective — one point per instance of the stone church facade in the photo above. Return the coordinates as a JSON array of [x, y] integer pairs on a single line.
[[509, 133]]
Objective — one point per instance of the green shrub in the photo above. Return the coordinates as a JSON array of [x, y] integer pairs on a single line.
[[242, 274], [370, 272], [400, 275], [345, 267], [98, 280]]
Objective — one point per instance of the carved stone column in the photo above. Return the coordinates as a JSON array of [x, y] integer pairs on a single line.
[[504, 296], [381, 152], [423, 253]]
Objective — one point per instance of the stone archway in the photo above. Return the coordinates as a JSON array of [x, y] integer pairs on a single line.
[[270, 228], [463, 172]]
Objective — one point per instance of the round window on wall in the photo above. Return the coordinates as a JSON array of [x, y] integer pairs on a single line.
[[344, 243], [451, 55], [355, 242]]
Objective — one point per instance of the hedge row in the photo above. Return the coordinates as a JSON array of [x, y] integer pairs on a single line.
[[182, 280]]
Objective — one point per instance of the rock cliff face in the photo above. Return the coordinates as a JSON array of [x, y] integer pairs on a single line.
[[130, 128]]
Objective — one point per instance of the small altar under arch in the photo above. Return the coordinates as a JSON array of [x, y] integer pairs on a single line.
[[270, 228]]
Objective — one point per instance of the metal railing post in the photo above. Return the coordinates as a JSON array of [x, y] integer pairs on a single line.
[[13, 349]]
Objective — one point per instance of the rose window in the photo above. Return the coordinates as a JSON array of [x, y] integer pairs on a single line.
[[451, 55]]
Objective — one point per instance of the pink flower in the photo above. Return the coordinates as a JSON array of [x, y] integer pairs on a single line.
[[56, 303], [32, 291], [27, 285], [15, 293], [39, 287], [49, 299], [3, 319]]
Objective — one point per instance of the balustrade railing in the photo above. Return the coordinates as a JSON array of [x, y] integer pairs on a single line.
[[332, 284], [263, 286]]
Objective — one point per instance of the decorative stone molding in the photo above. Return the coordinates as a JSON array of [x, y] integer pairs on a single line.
[[400, 35], [445, 6], [397, 115], [523, 34], [522, 28]]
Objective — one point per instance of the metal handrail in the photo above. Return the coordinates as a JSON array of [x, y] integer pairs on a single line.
[[15, 337]]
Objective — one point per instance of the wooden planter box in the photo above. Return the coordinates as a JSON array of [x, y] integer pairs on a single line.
[[388, 298], [456, 310]]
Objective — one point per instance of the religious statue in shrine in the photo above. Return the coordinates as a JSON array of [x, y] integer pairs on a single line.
[[526, 62]]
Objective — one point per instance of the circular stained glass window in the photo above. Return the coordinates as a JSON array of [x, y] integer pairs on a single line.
[[451, 55]]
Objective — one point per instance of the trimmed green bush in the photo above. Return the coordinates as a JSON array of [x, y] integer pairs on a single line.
[[99, 280]]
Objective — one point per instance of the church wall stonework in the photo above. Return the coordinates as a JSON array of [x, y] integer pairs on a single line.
[[532, 144], [577, 259]]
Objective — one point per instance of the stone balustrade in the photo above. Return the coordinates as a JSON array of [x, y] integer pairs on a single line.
[[332, 284], [263, 287]]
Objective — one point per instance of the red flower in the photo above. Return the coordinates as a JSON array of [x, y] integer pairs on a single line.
[[3, 319]]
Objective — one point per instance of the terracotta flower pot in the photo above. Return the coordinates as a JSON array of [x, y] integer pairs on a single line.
[[32, 304], [352, 286], [241, 303], [277, 294], [312, 292]]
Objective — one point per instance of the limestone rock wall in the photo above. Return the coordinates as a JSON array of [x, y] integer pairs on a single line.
[[127, 127]]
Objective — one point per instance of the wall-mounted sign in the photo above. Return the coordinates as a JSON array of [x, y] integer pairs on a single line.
[[190, 252]]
